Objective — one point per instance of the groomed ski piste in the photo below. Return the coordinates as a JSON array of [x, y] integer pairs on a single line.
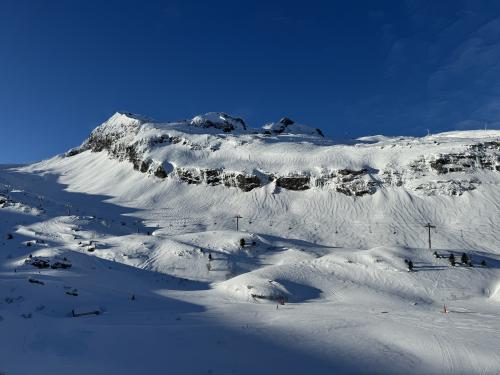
[[109, 267]]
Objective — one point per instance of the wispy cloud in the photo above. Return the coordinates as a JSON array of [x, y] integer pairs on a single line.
[[471, 75], [455, 52]]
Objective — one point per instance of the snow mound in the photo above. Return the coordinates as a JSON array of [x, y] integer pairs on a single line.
[[255, 287], [374, 138], [218, 120], [286, 125]]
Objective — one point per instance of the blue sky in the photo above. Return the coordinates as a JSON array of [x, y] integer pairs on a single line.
[[351, 68]]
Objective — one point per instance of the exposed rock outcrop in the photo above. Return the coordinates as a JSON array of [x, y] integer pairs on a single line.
[[297, 183], [450, 187], [191, 176], [218, 120], [349, 182], [160, 172], [478, 156], [286, 125], [109, 136], [215, 177], [484, 156], [242, 181]]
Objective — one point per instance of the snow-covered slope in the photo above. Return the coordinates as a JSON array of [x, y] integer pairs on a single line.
[[145, 214]]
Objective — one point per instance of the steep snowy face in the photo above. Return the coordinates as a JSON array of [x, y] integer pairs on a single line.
[[218, 149], [118, 137], [120, 123], [286, 125], [118, 127]]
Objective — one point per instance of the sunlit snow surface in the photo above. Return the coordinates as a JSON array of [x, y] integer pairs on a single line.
[[338, 261]]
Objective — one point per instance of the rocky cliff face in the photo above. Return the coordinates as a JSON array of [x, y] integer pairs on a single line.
[[213, 177], [453, 172], [143, 143], [351, 182]]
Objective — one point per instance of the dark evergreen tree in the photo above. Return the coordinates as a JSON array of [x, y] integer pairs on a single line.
[[451, 258], [410, 265]]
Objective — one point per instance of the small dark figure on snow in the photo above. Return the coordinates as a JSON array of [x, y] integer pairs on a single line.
[[242, 242], [410, 266], [209, 256], [436, 255], [464, 259], [451, 258], [483, 263]]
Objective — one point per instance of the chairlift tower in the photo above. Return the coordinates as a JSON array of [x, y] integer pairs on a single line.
[[238, 217], [429, 226]]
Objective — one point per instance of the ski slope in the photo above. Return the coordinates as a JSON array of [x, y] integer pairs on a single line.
[[161, 261]]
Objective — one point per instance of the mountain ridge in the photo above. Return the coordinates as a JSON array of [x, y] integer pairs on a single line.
[[189, 151]]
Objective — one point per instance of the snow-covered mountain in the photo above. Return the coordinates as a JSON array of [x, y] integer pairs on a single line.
[[218, 149], [138, 223]]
